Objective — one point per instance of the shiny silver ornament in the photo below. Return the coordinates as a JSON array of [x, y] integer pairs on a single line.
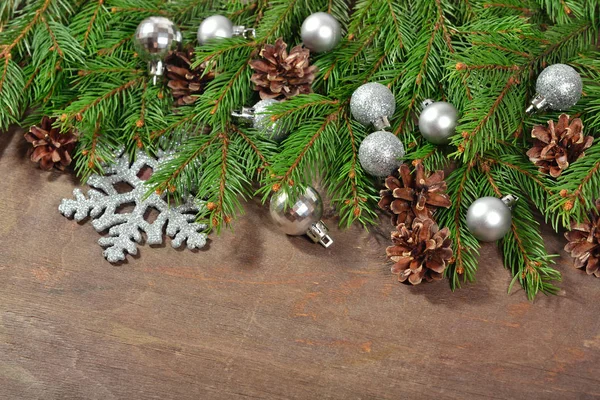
[[303, 217], [154, 38], [437, 122], [218, 26], [381, 153], [320, 32], [261, 121], [490, 218], [558, 88], [373, 104]]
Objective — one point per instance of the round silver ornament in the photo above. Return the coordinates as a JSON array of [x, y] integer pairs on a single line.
[[373, 104], [381, 153], [219, 26], [153, 39], [263, 123], [437, 122], [321, 32], [490, 218], [558, 87]]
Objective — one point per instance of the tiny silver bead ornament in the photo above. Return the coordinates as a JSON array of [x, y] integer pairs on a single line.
[[490, 218], [219, 26], [559, 87], [373, 104], [301, 218], [261, 121], [437, 122], [154, 38], [320, 32], [381, 153]]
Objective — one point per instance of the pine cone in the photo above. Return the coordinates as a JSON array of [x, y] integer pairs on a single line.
[[51, 148], [556, 146], [279, 75], [420, 252], [584, 243], [186, 83], [412, 197]]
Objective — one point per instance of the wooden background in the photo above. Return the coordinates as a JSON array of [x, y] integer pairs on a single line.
[[261, 315]]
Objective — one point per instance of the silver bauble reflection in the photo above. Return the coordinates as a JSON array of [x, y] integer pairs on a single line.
[[381, 153], [373, 104], [321, 32], [155, 37], [214, 27], [298, 218], [263, 123], [437, 122], [490, 218], [559, 87]]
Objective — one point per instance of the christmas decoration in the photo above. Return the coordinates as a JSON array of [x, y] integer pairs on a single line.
[[51, 148], [124, 229], [584, 245], [421, 251], [437, 121], [381, 153], [218, 26], [261, 121], [414, 195], [490, 218], [373, 104], [321, 32], [185, 82], [279, 75], [558, 87], [556, 146], [302, 217], [153, 39]]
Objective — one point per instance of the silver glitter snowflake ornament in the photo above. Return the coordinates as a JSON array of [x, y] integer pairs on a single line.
[[102, 204]]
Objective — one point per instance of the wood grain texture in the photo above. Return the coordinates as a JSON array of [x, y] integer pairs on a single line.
[[261, 315]]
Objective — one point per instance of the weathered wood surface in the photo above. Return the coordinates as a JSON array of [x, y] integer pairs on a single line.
[[260, 315]]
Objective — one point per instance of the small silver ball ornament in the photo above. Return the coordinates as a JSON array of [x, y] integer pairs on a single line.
[[373, 104], [437, 122], [321, 32], [559, 87], [214, 27], [490, 218], [153, 39], [297, 218], [263, 123], [381, 153]]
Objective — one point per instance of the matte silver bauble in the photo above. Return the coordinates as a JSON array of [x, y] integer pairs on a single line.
[[263, 123], [490, 218], [437, 122], [559, 87], [214, 27], [373, 104], [153, 39], [381, 153], [321, 32]]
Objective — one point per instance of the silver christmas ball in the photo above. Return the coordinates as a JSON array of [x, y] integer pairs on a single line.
[[373, 104], [489, 219], [560, 85], [321, 32], [263, 123], [216, 26], [155, 37], [298, 218], [380, 153], [437, 122]]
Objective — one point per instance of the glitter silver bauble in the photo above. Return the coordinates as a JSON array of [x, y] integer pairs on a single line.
[[490, 218], [263, 123], [373, 104], [321, 32], [153, 39], [558, 87], [381, 153], [437, 122], [218, 26]]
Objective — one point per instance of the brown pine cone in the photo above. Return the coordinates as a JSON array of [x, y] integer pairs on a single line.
[[412, 197], [584, 243], [186, 83], [279, 75], [556, 146], [51, 148], [420, 252]]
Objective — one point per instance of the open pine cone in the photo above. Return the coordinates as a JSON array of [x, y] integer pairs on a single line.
[[420, 252], [556, 146], [186, 83], [413, 196], [279, 75], [584, 243], [51, 148]]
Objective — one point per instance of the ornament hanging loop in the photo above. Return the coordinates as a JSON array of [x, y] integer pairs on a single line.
[[510, 200], [318, 232], [242, 31]]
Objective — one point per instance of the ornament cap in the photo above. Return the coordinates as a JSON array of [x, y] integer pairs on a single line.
[[156, 69], [538, 103], [510, 200], [426, 102], [246, 33], [382, 123], [318, 232], [245, 113]]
